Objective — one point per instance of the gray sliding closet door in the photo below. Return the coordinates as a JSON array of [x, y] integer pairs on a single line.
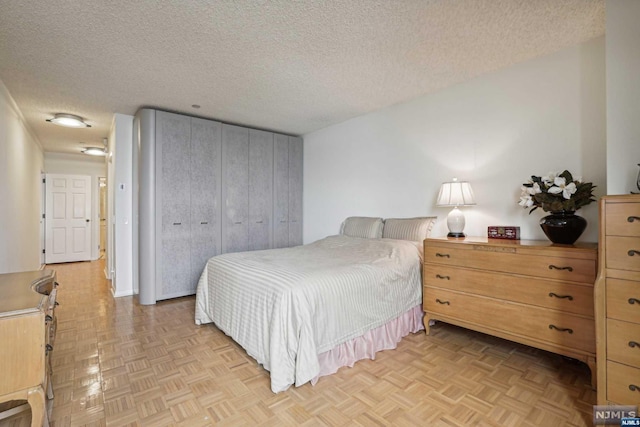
[[295, 191], [173, 248], [206, 174], [235, 188], [260, 189], [281, 192]]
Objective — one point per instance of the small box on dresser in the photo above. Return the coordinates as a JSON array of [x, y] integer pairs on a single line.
[[532, 292], [617, 301]]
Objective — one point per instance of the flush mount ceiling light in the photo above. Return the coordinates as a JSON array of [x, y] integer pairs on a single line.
[[68, 120], [94, 151]]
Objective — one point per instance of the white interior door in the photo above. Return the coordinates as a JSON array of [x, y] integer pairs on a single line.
[[67, 218]]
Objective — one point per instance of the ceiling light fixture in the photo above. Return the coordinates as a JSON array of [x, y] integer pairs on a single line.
[[94, 151], [68, 120]]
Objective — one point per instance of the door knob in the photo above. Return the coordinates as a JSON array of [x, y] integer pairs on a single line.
[[87, 220]]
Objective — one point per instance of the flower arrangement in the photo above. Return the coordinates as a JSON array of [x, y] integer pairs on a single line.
[[556, 192]]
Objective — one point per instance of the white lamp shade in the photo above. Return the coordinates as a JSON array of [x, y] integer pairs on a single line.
[[455, 193], [94, 151], [68, 120]]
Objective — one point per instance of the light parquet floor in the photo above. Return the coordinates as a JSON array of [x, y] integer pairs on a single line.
[[117, 363]]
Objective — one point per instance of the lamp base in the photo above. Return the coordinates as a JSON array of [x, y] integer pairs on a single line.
[[456, 235]]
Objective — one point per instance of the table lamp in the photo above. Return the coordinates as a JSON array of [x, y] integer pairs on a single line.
[[455, 193]]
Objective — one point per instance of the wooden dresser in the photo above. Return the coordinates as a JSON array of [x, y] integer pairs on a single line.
[[617, 297], [27, 332], [532, 292]]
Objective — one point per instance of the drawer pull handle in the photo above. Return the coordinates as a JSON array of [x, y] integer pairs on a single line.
[[177, 223], [204, 222], [633, 218], [634, 301], [561, 329], [555, 267], [56, 284], [569, 297], [442, 277], [439, 255], [48, 318], [633, 344], [634, 387], [57, 303], [633, 252], [439, 301], [259, 222], [48, 348]]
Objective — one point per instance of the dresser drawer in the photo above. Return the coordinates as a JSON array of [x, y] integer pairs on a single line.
[[506, 260], [621, 379], [623, 219], [623, 342], [623, 253], [537, 323], [623, 300], [547, 293]]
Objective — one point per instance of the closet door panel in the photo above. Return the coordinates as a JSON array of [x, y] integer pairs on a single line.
[[235, 189], [295, 191], [281, 191], [260, 189], [206, 174], [173, 134]]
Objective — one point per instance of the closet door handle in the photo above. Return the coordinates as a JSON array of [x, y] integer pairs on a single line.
[[259, 222], [633, 344], [555, 267], [442, 277], [204, 222], [238, 222], [633, 218], [633, 252], [552, 294], [439, 301], [561, 329], [439, 255], [177, 223], [634, 301]]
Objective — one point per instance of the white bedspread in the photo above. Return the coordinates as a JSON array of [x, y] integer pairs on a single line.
[[286, 306]]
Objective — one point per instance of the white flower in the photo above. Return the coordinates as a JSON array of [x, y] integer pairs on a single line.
[[526, 201], [536, 188], [561, 186], [549, 179]]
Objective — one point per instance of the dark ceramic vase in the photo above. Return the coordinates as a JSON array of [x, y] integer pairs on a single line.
[[563, 227]]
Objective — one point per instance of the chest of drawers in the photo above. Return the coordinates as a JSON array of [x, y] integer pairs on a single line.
[[27, 333], [617, 297], [531, 292]]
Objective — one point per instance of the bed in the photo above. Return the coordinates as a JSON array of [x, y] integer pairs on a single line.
[[303, 312]]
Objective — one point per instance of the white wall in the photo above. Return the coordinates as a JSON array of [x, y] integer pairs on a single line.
[[81, 164], [21, 166], [547, 114], [623, 95], [120, 205]]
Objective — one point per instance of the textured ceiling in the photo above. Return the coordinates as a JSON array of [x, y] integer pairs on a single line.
[[284, 65]]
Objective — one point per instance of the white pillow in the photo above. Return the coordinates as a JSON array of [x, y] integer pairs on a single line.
[[414, 229], [364, 227]]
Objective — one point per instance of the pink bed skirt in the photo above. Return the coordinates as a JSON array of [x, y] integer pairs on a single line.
[[385, 337]]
